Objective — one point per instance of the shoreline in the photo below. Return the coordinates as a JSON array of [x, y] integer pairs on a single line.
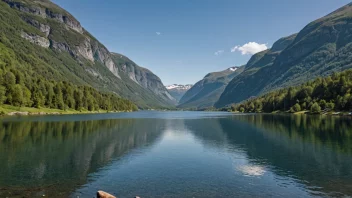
[[8, 110], [332, 113]]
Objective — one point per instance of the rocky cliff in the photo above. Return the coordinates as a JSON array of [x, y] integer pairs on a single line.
[[71, 52], [143, 77]]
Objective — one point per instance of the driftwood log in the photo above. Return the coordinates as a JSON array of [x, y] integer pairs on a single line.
[[102, 194]]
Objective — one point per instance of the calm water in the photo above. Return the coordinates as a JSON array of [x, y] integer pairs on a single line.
[[176, 154]]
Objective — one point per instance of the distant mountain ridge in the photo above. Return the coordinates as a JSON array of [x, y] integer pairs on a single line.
[[319, 49], [52, 43], [177, 91], [177, 86], [208, 90]]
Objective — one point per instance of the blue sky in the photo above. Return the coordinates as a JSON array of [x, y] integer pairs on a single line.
[[183, 40]]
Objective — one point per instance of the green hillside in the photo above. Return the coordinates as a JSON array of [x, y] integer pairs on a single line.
[[46, 41], [319, 49], [208, 90], [332, 93]]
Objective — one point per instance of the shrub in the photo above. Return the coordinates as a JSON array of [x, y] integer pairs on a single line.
[[315, 108]]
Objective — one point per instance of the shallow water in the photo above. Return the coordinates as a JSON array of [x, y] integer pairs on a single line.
[[176, 154]]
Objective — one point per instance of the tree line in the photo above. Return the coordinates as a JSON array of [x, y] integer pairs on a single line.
[[21, 90], [332, 93]]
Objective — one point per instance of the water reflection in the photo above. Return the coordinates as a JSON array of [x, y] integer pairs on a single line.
[[253, 170], [315, 150], [52, 158], [198, 155]]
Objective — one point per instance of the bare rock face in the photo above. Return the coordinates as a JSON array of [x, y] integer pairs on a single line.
[[103, 55], [23, 8], [42, 27], [94, 73], [62, 47], [85, 49], [45, 29], [38, 40], [147, 79], [69, 21], [73, 24], [130, 71], [143, 77], [152, 82]]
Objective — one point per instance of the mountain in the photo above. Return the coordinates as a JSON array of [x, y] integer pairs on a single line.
[[327, 94], [322, 47], [143, 78], [208, 90], [177, 91], [47, 41]]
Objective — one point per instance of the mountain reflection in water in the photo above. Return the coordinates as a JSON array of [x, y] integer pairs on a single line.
[[176, 154]]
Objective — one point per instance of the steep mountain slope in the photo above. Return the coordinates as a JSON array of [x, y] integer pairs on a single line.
[[208, 90], [134, 74], [47, 40], [319, 49], [177, 91]]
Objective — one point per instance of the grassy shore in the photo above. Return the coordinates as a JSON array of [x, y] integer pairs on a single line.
[[12, 110], [333, 113]]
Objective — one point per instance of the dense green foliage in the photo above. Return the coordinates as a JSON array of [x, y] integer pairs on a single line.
[[61, 65], [31, 76], [319, 49], [323, 94], [21, 90]]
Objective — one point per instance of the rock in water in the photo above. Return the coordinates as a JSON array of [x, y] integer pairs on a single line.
[[102, 194]]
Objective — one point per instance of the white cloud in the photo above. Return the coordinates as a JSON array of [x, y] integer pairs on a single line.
[[219, 52], [158, 33], [250, 48]]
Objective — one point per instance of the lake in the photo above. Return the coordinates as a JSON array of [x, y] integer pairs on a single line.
[[176, 154]]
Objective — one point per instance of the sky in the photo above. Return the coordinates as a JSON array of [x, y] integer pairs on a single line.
[[183, 40]]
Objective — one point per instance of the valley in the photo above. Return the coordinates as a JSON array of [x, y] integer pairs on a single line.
[[175, 98]]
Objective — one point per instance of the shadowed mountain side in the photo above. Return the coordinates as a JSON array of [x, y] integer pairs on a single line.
[[208, 90], [148, 83]]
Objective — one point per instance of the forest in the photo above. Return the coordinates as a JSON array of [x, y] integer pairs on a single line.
[[32, 76], [21, 87], [332, 93], [20, 91]]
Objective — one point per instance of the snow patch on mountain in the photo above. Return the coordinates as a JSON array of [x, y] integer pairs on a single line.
[[233, 68], [176, 86]]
